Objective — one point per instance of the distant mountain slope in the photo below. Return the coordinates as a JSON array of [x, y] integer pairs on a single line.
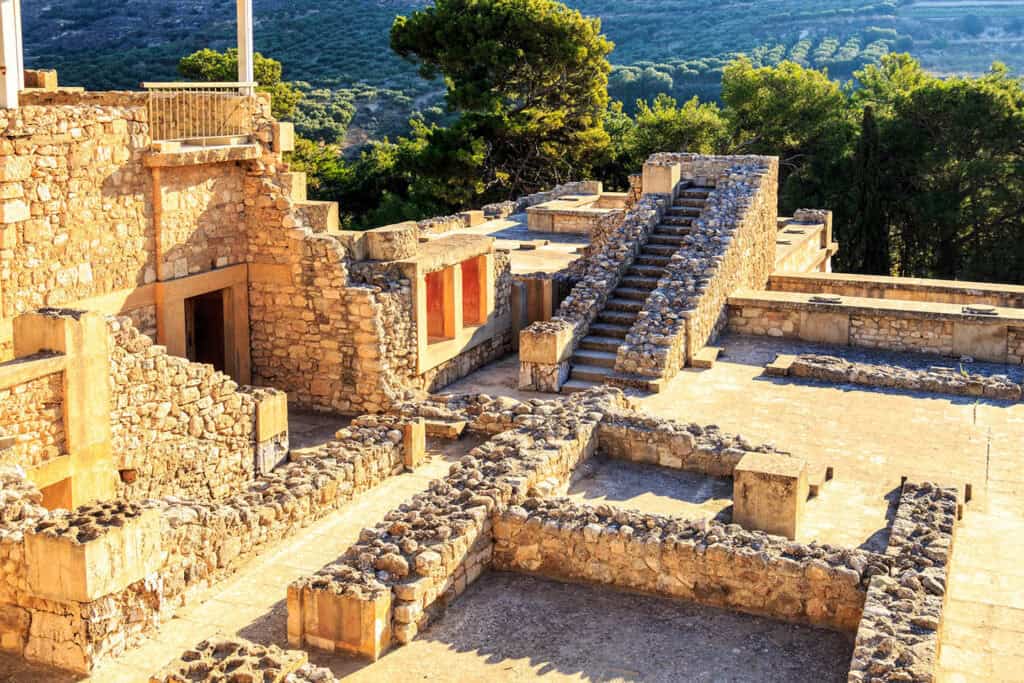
[[675, 46]]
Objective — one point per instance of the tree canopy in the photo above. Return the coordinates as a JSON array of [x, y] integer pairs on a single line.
[[211, 65]]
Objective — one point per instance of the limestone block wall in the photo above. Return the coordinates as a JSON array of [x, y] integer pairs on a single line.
[[180, 428], [708, 563], [75, 213], [33, 413], [903, 288], [730, 246], [202, 222]]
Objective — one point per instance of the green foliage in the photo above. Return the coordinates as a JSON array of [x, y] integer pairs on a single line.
[[870, 235], [529, 80], [210, 65]]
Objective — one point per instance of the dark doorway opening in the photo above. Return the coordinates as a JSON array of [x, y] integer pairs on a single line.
[[204, 329]]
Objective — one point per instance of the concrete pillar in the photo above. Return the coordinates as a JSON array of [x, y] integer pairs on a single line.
[[11, 67], [246, 73]]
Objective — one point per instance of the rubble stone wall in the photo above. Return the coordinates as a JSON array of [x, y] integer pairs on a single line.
[[708, 563], [957, 381], [181, 428], [898, 638], [730, 246], [201, 541], [639, 437], [33, 413]]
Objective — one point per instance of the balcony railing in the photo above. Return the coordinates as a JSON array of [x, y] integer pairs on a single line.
[[200, 113]]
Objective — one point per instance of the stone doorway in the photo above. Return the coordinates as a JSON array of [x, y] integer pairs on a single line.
[[205, 330]]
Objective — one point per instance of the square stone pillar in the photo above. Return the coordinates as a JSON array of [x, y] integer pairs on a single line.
[[325, 620], [769, 493], [415, 443], [84, 340]]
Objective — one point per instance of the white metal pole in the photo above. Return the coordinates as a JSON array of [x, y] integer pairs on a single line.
[[10, 60], [245, 42]]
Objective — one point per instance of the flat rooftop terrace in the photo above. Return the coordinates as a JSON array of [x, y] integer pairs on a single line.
[[532, 251]]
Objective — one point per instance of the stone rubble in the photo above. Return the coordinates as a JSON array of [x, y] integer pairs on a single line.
[[941, 380]]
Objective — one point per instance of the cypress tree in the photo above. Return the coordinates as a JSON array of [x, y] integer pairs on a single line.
[[870, 227]]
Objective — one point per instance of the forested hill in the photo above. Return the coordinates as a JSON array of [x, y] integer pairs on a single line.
[[674, 46]]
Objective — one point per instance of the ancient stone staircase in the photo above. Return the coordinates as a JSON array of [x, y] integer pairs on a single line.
[[316, 215], [594, 360]]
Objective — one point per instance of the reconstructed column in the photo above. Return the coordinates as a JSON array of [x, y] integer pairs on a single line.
[[11, 66], [246, 72]]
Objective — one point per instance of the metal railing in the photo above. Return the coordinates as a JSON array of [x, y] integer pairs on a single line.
[[200, 113]]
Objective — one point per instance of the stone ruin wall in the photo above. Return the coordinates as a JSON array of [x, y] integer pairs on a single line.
[[904, 289], [730, 246], [76, 201], [492, 512], [713, 564], [177, 428], [193, 542], [33, 413]]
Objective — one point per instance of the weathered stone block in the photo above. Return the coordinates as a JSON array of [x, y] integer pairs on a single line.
[[546, 344], [284, 136], [769, 493], [358, 625], [14, 211], [64, 569], [414, 439], [393, 242]]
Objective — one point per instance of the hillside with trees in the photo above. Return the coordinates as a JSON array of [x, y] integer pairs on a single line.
[[925, 171], [338, 54]]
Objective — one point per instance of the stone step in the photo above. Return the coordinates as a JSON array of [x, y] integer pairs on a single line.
[[645, 271], [602, 359], [673, 240], [690, 211], [675, 221], [635, 294], [595, 342], [655, 249], [590, 373], [696, 192], [639, 282], [574, 386], [690, 202], [626, 318], [652, 260], [705, 358], [609, 330], [623, 304]]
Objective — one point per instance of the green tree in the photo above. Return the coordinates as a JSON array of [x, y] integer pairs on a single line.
[[799, 115], [870, 235], [210, 65], [529, 79]]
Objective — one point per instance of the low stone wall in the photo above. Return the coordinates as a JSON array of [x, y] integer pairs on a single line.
[[639, 437], [545, 347], [180, 428], [939, 329], [708, 563], [32, 413], [898, 638], [959, 382], [902, 288], [730, 246], [505, 209]]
